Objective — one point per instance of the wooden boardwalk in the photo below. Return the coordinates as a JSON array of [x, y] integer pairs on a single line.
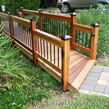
[[79, 65]]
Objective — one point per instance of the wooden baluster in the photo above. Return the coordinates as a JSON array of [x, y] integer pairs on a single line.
[[72, 31], [11, 26], [94, 40], [34, 39], [65, 61], [41, 19], [18, 15]]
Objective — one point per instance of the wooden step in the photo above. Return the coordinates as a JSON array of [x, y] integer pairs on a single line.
[[75, 84]]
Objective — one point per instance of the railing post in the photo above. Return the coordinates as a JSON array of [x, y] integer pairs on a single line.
[[11, 26], [72, 31], [41, 19], [18, 15], [22, 11], [94, 40], [34, 39], [65, 61]]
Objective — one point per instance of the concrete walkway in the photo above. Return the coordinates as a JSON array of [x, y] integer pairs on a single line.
[[97, 81]]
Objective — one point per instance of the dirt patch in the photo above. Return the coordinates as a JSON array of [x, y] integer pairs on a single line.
[[102, 60]]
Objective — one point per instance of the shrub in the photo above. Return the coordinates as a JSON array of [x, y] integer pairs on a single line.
[[11, 70], [13, 5]]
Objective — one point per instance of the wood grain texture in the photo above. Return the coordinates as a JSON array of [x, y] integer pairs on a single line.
[[83, 28], [81, 76], [48, 37], [21, 21], [31, 12]]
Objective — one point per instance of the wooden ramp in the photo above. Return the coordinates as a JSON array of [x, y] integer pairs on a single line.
[[80, 66]]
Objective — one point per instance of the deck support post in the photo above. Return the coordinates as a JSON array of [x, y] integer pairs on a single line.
[[73, 31], [22, 11], [18, 15], [34, 39], [41, 19], [94, 40], [11, 26], [65, 61]]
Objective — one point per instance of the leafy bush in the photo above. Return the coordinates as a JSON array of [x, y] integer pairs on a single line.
[[13, 5], [88, 17], [11, 70]]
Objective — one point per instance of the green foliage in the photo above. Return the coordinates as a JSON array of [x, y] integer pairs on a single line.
[[11, 71], [88, 17], [13, 5]]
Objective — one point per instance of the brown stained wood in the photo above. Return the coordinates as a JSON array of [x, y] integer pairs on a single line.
[[21, 43], [65, 66], [31, 12], [41, 20], [81, 76], [58, 17], [76, 61], [71, 88], [50, 70], [48, 62], [34, 41], [48, 37], [21, 21], [11, 27], [4, 15], [74, 68], [83, 28], [5, 32], [72, 32], [94, 40], [20, 14], [82, 48], [25, 51], [77, 70]]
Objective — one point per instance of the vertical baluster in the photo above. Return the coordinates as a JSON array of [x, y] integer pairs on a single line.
[[47, 49], [58, 56], [59, 29], [90, 42], [41, 45], [44, 47], [82, 38], [79, 37], [50, 53], [86, 39], [54, 54]]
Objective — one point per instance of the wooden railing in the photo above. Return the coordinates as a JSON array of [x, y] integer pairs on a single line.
[[67, 25], [48, 47]]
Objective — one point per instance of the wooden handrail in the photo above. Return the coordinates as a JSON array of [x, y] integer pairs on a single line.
[[21, 21], [58, 17], [87, 50], [48, 15], [31, 12], [83, 28], [48, 37], [4, 15]]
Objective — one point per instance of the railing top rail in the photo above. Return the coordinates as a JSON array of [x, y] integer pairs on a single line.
[[4, 15], [31, 12], [58, 17], [21, 21], [49, 15], [83, 28], [48, 37]]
